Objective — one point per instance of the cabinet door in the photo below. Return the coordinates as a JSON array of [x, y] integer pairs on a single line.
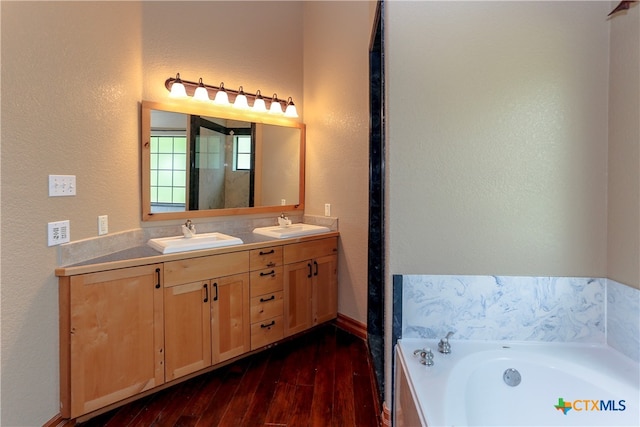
[[297, 297], [231, 320], [116, 339], [325, 289], [187, 328]]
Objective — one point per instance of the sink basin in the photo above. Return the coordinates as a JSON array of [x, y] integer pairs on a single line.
[[293, 230], [169, 245]]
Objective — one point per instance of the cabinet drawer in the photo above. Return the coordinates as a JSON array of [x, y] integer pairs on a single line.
[[203, 268], [266, 281], [266, 306], [265, 258], [266, 332], [309, 250]]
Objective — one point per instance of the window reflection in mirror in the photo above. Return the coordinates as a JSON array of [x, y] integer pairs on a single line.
[[217, 165]]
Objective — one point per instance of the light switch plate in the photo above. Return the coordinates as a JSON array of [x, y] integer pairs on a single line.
[[62, 185], [327, 209], [58, 233]]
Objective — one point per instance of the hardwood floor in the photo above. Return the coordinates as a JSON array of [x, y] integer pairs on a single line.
[[320, 379]]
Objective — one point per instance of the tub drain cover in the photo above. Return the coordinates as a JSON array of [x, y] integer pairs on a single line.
[[511, 377]]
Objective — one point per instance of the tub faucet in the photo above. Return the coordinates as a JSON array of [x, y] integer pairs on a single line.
[[425, 355], [444, 346]]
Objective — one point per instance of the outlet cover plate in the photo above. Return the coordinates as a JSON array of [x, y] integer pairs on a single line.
[[103, 225], [58, 233]]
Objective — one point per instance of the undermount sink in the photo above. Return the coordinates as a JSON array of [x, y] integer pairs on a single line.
[[169, 245], [293, 230]]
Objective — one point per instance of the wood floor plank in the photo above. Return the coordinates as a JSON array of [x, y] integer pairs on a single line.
[[246, 393], [324, 383], [308, 358], [301, 411], [257, 411], [343, 404], [211, 382], [363, 394], [282, 403], [224, 395]]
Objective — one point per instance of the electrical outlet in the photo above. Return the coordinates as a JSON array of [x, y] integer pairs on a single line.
[[103, 225], [62, 185], [283, 202], [58, 233], [327, 209]]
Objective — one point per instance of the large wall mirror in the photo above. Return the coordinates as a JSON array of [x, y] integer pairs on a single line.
[[200, 160]]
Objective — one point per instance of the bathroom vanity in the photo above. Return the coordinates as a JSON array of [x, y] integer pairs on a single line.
[[132, 326]]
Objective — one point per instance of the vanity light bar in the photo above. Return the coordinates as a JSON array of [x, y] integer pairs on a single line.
[[179, 88]]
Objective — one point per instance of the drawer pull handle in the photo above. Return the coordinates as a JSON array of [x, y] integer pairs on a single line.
[[309, 265], [206, 292], [272, 251], [272, 273], [268, 325], [215, 285], [316, 264], [272, 297], [158, 276]]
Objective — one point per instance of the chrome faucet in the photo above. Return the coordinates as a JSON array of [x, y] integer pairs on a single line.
[[425, 355], [444, 346], [188, 229]]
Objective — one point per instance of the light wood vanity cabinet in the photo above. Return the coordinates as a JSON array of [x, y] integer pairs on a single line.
[[187, 328], [129, 330], [206, 321], [266, 296], [310, 284], [111, 337]]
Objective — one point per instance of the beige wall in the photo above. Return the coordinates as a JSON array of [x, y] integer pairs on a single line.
[[623, 225], [71, 76], [498, 137], [336, 67]]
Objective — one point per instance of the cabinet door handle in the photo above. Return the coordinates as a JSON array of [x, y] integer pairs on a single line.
[[215, 285], [315, 263], [272, 251], [272, 273], [206, 292], [268, 325], [158, 277], [309, 265], [272, 297]]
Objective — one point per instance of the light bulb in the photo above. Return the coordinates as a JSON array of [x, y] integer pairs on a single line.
[[241, 100], [276, 107], [291, 110], [259, 105], [221, 97], [201, 93], [177, 88]]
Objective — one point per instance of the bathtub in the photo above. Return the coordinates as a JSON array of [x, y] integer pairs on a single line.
[[559, 385]]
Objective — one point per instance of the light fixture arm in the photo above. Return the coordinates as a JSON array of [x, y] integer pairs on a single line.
[[191, 86]]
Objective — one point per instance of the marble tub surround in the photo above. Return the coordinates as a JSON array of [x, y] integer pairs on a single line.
[[504, 308], [88, 249], [560, 309], [623, 319]]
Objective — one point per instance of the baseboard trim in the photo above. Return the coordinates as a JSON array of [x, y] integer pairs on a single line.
[[58, 421], [352, 326]]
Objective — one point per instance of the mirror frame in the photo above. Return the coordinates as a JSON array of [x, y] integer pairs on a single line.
[[211, 110]]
